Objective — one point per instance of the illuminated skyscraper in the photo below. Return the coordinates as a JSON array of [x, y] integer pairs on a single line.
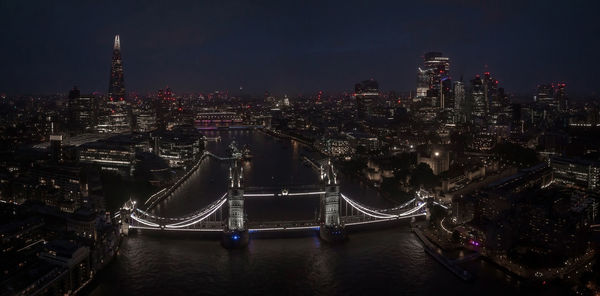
[[116, 115], [423, 80], [116, 87], [433, 80], [459, 95], [478, 97], [552, 94]]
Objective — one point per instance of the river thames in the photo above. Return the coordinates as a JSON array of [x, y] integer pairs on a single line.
[[387, 261]]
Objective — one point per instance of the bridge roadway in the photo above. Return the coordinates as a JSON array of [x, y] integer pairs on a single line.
[[278, 226], [282, 191], [210, 219]]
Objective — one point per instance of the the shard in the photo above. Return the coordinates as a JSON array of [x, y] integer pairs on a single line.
[[116, 88]]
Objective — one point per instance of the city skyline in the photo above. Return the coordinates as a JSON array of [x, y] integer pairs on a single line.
[[299, 148], [295, 48]]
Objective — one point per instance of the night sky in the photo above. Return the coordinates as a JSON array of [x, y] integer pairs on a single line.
[[294, 46]]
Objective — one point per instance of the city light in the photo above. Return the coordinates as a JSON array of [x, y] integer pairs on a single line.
[[306, 147]]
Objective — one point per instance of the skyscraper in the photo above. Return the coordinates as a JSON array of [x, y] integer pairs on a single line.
[[82, 111], [116, 87], [164, 105], [545, 93], [367, 95], [459, 95], [561, 96], [433, 80], [490, 89], [116, 115], [423, 82], [553, 95], [478, 97]]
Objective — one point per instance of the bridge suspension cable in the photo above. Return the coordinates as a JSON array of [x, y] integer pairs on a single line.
[[179, 222], [189, 217], [140, 220], [366, 211], [379, 214], [211, 210]]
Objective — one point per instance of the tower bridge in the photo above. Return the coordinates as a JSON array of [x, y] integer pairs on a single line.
[[227, 214]]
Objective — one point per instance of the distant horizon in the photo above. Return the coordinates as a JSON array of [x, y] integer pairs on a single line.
[[295, 47], [237, 93], [254, 91]]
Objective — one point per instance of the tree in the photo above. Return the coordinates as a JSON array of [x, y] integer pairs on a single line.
[[516, 153], [422, 175]]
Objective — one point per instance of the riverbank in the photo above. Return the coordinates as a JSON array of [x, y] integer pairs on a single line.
[[442, 238], [159, 196], [438, 255], [106, 261]]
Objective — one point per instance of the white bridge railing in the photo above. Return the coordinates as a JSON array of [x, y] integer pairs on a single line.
[[205, 220]]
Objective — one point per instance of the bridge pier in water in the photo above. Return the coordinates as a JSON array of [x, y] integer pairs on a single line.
[[235, 233], [331, 229], [125, 217]]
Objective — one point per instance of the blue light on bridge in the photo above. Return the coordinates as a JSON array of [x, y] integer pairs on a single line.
[[235, 237]]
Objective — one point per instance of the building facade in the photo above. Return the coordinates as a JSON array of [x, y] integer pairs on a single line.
[[367, 96], [576, 172]]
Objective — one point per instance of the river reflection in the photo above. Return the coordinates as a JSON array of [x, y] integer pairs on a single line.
[[389, 261]]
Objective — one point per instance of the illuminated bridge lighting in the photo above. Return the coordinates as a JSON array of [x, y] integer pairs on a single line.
[[306, 193], [363, 215], [192, 222], [143, 221], [259, 194]]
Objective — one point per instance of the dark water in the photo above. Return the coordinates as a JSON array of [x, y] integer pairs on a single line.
[[389, 261]]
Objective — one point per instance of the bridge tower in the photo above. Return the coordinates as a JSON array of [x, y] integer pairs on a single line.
[[235, 233], [331, 228], [125, 216]]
